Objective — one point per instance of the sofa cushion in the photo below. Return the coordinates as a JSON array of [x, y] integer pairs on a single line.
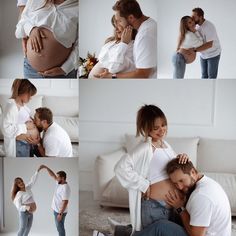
[[104, 171], [179, 145], [115, 195], [62, 106], [228, 183]]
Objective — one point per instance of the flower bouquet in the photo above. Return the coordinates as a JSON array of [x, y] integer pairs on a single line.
[[86, 65]]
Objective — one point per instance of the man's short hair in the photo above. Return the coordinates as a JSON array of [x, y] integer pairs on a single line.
[[174, 165], [45, 113], [128, 7], [62, 174], [199, 11]]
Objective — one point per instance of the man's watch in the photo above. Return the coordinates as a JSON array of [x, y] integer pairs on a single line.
[[114, 76], [180, 210]]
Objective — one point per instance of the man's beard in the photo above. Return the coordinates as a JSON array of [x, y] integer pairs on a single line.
[[190, 189], [59, 182], [40, 129]]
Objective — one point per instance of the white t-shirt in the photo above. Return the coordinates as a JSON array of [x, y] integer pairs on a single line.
[[145, 46], [117, 57], [23, 115], [208, 32], [208, 206], [57, 142], [21, 2], [62, 192], [157, 170], [192, 40]]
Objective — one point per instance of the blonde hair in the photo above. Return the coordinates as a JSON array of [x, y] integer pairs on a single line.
[[15, 188], [183, 28], [146, 117]]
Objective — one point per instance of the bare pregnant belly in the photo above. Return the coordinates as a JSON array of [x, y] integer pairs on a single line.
[[32, 206], [160, 189], [52, 55]]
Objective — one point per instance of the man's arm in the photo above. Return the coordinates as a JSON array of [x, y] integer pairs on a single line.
[[41, 149], [50, 172], [204, 47], [64, 205]]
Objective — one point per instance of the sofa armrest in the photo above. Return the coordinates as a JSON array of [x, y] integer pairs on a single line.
[[104, 171]]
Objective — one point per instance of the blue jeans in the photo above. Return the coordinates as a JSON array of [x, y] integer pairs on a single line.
[[162, 228], [26, 220], [152, 210], [30, 72], [60, 224], [210, 67], [22, 149], [179, 64]]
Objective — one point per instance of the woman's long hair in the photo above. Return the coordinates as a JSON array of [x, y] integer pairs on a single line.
[[22, 86], [15, 188], [183, 28]]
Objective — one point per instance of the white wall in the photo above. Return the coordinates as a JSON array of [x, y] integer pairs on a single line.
[[43, 192], [220, 13], [11, 56], [52, 87], [193, 108], [95, 22]]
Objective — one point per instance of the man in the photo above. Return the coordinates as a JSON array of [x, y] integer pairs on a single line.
[[60, 199], [211, 49], [145, 43], [207, 211], [55, 141]]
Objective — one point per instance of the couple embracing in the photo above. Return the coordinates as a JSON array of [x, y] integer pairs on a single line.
[[132, 51], [197, 35]]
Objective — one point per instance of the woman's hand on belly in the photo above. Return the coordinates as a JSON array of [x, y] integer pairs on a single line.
[[53, 72], [35, 39]]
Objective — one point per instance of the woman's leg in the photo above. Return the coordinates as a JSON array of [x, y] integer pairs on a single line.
[[29, 71], [162, 228], [152, 210], [23, 220], [22, 149], [29, 223], [179, 66]]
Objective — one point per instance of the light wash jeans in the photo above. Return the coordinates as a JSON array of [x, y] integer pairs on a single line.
[[152, 210], [179, 64], [30, 72], [26, 220], [210, 67], [60, 225], [22, 149], [162, 228]]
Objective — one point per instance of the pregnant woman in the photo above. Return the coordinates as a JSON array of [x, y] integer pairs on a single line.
[[23, 199], [18, 130], [189, 38], [51, 30], [142, 171], [116, 54]]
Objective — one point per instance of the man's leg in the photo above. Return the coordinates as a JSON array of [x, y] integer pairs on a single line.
[[179, 66], [60, 224], [162, 228], [204, 68], [213, 64]]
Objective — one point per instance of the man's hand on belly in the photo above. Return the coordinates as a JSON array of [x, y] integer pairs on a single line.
[[53, 72], [35, 38]]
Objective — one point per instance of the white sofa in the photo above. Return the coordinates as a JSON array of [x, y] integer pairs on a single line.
[[215, 158], [65, 112]]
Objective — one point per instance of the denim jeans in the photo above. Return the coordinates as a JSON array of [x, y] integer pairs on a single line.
[[152, 210], [179, 64], [26, 220], [60, 224], [22, 149], [30, 72], [162, 228], [210, 67]]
